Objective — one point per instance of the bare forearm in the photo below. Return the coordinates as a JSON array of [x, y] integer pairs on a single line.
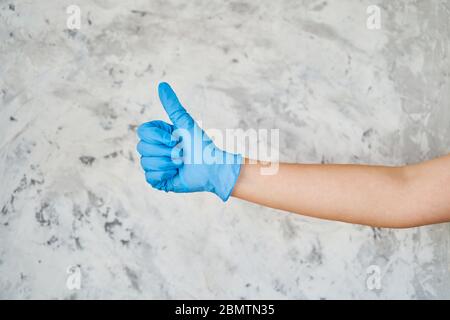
[[371, 195]]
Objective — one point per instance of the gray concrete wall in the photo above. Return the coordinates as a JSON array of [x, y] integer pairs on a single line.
[[72, 194]]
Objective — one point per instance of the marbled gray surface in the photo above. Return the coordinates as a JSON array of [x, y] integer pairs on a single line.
[[72, 192]]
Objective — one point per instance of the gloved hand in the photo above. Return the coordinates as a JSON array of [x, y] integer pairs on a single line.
[[181, 157]]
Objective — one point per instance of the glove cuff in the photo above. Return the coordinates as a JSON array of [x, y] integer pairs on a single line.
[[227, 175]]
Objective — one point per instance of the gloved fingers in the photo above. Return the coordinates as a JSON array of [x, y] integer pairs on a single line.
[[173, 107], [166, 185], [156, 177], [153, 150], [175, 183], [159, 150], [151, 133], [160, 124], [159, 163]]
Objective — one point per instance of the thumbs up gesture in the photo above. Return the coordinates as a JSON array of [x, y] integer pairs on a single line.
[[180, 157]]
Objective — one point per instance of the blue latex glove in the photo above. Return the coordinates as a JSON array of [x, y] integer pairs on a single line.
[[181, 157]]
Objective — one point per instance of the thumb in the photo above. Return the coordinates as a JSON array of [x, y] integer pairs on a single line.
[[173, 107]]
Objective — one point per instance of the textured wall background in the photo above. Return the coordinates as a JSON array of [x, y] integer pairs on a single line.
[[72, 192]]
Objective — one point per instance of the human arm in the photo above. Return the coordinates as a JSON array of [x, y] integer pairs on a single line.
[[173, 158], [379, 196]]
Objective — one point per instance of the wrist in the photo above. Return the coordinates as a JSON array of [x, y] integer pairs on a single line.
[[226, 174]]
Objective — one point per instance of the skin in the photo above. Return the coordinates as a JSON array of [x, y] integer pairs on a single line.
[[378, 196]]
